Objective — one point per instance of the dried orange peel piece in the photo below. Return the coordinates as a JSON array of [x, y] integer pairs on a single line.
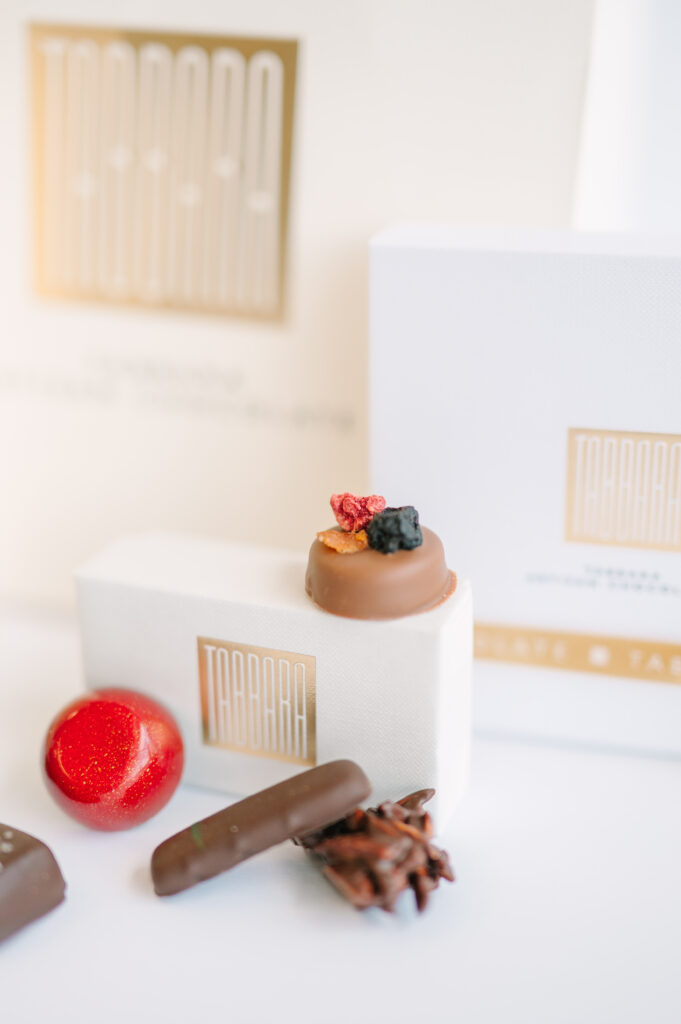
[[344, 543]]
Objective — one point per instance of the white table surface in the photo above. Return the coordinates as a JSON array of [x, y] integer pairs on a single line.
[[567, 905]]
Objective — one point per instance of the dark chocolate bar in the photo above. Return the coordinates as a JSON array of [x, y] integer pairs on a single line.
[[31, 883], [310, 800]]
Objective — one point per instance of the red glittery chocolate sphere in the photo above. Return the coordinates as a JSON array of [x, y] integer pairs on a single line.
[[113, 758]]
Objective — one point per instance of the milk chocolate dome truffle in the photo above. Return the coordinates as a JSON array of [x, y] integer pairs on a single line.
[[379, 563]]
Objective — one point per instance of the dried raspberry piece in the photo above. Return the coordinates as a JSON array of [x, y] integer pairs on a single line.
[[352, 512], [344, 542]]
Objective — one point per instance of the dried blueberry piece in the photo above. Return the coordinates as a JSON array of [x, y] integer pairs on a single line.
[[395, 528]]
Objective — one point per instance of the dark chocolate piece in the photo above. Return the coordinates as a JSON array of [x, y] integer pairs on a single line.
[[372, 856], [31, 883], [395, 529], [307, 801]]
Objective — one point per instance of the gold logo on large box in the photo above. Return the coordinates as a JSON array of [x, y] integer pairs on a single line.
[[624, 489], [162, 167], [258, 701]]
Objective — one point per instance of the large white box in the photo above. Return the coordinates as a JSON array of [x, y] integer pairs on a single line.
[[180, 273], [261, 680], [525, 385]]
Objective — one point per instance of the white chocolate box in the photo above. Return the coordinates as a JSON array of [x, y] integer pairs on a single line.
[[544, 442], [263, 682]]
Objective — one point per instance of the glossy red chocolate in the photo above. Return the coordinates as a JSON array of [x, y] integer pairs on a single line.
[[113, 758]]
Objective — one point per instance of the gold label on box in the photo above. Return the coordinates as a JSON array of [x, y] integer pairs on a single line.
[[162, 167], [258, 701], [624, 489], [579, 652]]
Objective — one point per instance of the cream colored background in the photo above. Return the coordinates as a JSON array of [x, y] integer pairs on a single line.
[[113, 420]]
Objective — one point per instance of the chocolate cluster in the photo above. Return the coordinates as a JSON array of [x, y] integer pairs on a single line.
[[373, 856]]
